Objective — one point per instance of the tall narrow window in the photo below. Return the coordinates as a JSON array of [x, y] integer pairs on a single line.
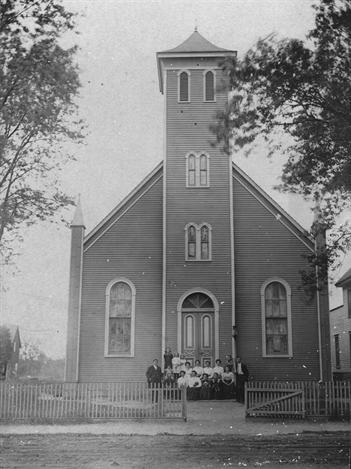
[[197, 169], [276, 316], [191, 170], [337, 350], [183, 87], [349, 302], [276, 319], [191, 242], [120, 300], [203, 170], [204, 243], [198, 242], [209, 86]]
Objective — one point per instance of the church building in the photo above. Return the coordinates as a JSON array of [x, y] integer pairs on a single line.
[[197, 258]]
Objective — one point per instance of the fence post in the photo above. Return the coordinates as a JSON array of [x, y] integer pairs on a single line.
[[303, 402], [245, 398]]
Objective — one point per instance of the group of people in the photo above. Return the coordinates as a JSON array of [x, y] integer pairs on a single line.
[[223, 381]]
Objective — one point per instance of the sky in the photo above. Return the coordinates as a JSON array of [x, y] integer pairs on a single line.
[[122, 107]]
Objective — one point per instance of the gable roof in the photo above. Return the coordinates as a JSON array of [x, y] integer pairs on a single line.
[[195, 43], [344, 279], [124, 205], [270, 204]]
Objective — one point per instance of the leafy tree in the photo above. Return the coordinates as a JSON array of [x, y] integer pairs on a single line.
[[5, 350], [32, 359], [34, 363], [30, 351], [296, 96], [38, 84]]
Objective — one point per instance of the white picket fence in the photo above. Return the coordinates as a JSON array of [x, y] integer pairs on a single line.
[[298, 399], [52, 402]]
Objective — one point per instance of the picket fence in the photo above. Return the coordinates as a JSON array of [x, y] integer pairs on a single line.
[[298, 399], [54, 402]]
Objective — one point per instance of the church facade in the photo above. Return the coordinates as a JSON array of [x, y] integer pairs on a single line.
[[197, 258]]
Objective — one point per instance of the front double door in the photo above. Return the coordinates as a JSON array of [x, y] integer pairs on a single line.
[[198, 336]]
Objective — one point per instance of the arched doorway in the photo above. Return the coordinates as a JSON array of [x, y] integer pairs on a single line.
[[197, 318]]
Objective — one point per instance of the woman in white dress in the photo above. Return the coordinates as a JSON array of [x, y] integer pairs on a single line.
[[218, 368], [198, 368], [208, 369]]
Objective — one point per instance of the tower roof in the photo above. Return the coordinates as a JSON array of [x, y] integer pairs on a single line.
[[196, 43], [195, 46]]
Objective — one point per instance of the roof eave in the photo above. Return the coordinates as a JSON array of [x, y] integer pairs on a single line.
[[345, 279], [300, 229], [172, 55], [123, 202], [344, 282]]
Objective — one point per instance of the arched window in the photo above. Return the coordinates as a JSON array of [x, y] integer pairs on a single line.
[[192, 242], [209, 86], [197, 169], [203, 169], [120, 312], [205, 239], [191, 170], [198, 242], [183, 87], [276, 318]]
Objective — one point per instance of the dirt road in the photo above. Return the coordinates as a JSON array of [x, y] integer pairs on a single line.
[[306, 450]]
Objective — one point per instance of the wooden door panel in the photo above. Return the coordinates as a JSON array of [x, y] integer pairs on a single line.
[[198, 337]]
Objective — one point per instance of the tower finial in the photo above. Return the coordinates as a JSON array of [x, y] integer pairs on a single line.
[[195, 29]]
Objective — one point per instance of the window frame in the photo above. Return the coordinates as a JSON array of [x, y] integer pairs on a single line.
[[198, 228], [178, 81], [189, 169], [198, 170], [205, 72], [264, 286], [131, 353]]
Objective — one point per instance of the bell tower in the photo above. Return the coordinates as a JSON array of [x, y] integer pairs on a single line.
[[198, 243]]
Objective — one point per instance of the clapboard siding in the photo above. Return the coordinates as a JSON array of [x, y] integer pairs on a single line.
[[187, 129], [71, 371], [265, 248], [130, 248], [340, 322]]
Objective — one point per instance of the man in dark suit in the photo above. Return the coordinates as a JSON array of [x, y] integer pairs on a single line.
[[154, 378], [242, 375]]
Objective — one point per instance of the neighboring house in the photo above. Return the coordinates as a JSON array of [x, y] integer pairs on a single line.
[[10, 369], [197, 258], [340, 329]]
